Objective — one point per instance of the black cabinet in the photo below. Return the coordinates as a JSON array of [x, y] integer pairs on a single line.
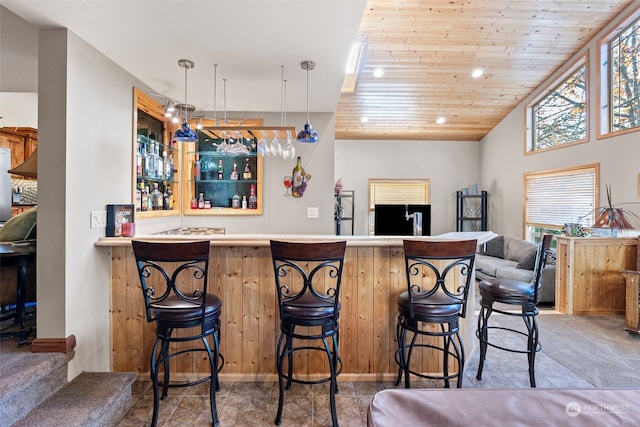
[[471, 211]]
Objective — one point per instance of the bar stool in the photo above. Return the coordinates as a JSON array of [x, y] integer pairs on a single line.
[[438, 278], [174, 279], [308, 277], [507, 292]]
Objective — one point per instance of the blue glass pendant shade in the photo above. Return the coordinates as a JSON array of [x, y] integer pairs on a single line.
[[185, 134], [308, 134]]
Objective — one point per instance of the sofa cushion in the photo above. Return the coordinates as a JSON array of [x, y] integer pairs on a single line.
[[488, 264], [494, 247], [528, 262], [516, 249], [513, 273]]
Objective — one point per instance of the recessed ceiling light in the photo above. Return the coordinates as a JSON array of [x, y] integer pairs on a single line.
[[364, 119], [477, 73], [441, 120], [379, 72]]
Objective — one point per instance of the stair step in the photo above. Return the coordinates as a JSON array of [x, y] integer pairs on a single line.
[[27, 379], [90, 399]]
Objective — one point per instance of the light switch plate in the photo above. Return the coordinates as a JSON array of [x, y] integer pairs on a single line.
[[98, 219], [313, 212]]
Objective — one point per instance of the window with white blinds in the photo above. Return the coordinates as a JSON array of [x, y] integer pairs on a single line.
[[398, 191], [554, 198]]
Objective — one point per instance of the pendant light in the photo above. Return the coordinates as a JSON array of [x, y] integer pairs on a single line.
[[185, 133], [308, 134]]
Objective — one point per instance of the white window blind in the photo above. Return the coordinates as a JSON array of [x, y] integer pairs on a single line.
[[398, 191], [559, 197]]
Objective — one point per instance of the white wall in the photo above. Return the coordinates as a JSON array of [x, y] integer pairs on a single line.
[[448, 165], [503, 161]]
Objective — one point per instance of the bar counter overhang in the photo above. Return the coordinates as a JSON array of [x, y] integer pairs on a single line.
[[241, 273]]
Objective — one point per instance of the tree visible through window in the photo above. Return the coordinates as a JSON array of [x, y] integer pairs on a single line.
[[625, 78], [561, 116]]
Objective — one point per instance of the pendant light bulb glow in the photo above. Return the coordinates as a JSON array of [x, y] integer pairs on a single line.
[[308, 135]]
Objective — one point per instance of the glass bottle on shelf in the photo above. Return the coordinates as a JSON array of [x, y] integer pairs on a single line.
[[138, 198], [253, 200], [246, 174], [171, 165], [244, 202], [234, 173], [165, 198], [156, 198], [139, 157], [146, 160], [149, 199], [220, 170], [197, 168], [201, 201], [235, 201]]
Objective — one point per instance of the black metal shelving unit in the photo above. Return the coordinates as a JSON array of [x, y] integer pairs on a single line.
[[471, 211]]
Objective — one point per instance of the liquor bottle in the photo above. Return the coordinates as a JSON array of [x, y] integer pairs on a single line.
[[165, 199], [167, 166], [171, 165], [139, 197], [235, 201], [171, 201], [244, 202], [152, 160], [146, 161], [149, 200], [298, 185], [139, 159], [156, 198], [220, 170], [234, 173], [201, 201], [247, 172], [253, 200], [196, 168], [159, 163]]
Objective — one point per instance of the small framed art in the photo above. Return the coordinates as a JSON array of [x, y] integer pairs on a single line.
[[116, 216]]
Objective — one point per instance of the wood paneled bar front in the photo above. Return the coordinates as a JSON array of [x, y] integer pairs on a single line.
[[241, 273]]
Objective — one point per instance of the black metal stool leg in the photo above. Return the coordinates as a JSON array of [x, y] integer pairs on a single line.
[[483, 336], [212, 382], [532, 345], [400, 334], [332, 387], [445, 355], [279, 361], [459, 349], [155, 359]]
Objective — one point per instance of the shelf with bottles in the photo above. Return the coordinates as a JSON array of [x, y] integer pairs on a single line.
[[223, 178], [156, 160]]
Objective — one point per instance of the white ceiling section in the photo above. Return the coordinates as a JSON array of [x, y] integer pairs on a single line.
[[249, 40]]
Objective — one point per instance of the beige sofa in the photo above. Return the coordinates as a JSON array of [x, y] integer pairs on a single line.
[[506, 257]]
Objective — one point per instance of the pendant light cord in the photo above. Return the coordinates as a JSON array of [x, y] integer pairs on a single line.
[[186, 109], [307, 94], [215, 97]]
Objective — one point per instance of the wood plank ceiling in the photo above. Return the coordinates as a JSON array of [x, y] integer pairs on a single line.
[[428, 49]]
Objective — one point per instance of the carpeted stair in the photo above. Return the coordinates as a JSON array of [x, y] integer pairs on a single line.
[[34, 392]]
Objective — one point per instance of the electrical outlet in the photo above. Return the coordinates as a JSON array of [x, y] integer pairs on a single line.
[[313, 213], [98, 219]]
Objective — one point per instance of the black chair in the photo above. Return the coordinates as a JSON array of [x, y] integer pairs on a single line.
[[510, 293], [308, 277], [438, 278], [174, 278]]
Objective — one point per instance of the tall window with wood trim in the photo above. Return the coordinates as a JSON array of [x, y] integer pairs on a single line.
[[557, 197], [558, 116], [619, 76]]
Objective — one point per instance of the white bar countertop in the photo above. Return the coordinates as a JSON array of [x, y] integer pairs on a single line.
[[263, 239]]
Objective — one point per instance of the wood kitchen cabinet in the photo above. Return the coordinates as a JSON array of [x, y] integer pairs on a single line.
[[22, 141]]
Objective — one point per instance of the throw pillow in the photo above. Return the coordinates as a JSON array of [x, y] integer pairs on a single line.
[[528, 262], [494, 247], [19, 227]]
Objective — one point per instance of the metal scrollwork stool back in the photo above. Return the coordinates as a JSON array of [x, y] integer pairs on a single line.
[[308, 277], [174, 280]]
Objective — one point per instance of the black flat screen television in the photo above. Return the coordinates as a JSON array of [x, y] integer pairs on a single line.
[[390, 220]]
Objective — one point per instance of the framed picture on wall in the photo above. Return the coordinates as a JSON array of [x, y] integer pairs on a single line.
[[116, 216]]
